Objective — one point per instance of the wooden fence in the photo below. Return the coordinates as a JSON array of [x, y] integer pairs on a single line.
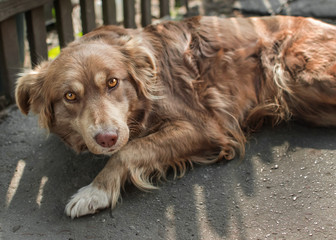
[[33, 10]]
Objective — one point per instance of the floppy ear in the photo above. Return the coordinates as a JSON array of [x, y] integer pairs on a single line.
[[142, 68], [26, 90], [30, 95]]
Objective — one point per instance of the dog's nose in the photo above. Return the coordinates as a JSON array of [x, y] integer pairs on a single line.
[[106, 140]]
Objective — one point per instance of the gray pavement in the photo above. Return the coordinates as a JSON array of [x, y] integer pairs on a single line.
[[284, 188]]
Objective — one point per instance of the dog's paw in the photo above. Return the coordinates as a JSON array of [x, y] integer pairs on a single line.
[[87, 201]]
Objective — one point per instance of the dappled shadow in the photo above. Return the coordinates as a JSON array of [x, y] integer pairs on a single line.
[[210, 201]]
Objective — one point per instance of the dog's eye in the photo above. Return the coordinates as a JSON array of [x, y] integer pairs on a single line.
[[112, 83], [70, 96]]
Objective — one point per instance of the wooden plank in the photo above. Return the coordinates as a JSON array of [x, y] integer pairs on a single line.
[[37, 35], [109, 12], [9, 56], [164, 8], [88, 15], [187, 7], [146, 13], [64, 25], [10, 8], [129, 14]]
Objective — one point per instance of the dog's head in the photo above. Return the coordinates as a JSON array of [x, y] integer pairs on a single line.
[[94, 93]]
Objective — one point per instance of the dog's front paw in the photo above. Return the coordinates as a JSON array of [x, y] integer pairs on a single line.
[[87, 201]]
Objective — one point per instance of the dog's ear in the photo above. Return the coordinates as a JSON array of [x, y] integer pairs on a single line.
[[27, 87], [141, 67], [30, 95]]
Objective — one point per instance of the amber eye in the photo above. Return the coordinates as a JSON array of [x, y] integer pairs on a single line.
[[70, 96], [112, 82]]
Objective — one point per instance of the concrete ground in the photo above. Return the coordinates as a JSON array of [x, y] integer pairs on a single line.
[[285, 188]]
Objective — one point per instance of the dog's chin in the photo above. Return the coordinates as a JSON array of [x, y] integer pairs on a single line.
[[107, 152], [98, 150], [95, 149], [102, 151]]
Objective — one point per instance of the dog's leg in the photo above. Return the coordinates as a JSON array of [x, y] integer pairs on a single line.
[[312, 97], [137, 161], [104, 190], [304, 70]]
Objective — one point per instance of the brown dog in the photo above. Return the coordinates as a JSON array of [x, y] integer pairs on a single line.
[[177, 92]]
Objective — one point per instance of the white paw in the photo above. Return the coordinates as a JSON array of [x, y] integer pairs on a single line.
[[87, 201]]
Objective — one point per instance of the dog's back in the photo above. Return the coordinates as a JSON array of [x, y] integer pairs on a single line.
[[273, 67]]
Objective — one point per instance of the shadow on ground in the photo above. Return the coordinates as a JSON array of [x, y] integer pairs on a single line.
[[283, 189]]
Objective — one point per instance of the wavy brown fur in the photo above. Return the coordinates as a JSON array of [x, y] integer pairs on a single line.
[[187, 89]]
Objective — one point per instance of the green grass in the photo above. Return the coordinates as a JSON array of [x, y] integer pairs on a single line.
[[53, 53]]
